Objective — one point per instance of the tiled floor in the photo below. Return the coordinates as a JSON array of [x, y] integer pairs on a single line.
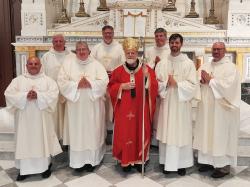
[[111, 175]]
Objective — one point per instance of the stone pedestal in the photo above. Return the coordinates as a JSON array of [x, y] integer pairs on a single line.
[[37, 17], [239, 18]]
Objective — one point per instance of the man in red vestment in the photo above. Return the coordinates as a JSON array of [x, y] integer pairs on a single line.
[[126, 92]]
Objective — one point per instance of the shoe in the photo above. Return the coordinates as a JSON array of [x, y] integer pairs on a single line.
[[165, 172], [81, 169], [65, 148], [47, 173], [89, 168], [127, 168], [21, 177], [205, 168], [181, 172], [219, 174]]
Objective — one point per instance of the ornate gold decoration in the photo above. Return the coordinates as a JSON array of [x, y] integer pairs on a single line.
[[212, 19], [192, 13], [131, 44], [81, 12], [63, 17], [32, 50], [103, 6], [170, 6]]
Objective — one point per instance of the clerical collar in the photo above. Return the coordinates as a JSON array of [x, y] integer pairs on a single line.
[[161, 48], [131, 68], [221, 61], [28, 75], [65, 52], [108, 45], [181, 57], [137, 68], [83, 62]]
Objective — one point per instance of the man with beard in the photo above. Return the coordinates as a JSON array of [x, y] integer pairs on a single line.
[[33, 97], [177, 86], [126, 92], [52, 62], [217, 125]]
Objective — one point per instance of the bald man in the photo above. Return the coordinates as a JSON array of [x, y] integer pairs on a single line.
[[52, 62], [33, 97], [216, 129]]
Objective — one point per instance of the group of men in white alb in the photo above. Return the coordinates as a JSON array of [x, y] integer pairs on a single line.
[[64, 97]]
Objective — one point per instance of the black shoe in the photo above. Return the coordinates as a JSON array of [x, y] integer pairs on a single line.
[[181, 172], [21, 177], [205, 168], [219, 174], [89, 168], [65, 148], [127, 168], [81, 169], [165, 172], [47, 173]]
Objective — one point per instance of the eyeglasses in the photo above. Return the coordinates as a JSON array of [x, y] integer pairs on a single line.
[[81, 49]]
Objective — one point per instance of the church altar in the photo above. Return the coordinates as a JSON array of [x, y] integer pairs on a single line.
[[41, 19]]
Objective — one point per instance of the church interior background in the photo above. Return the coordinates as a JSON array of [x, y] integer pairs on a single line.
[[201, 22]]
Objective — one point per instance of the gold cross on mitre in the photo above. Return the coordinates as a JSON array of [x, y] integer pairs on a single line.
[[130, 115]]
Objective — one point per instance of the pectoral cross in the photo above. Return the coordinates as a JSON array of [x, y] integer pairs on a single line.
[[130, 115]]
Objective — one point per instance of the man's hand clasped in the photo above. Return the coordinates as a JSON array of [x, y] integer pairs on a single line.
[[205, 77], [32, 95], [83, 83], [171, 81]]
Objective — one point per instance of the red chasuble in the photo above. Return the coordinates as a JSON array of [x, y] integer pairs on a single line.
[[127, 142]]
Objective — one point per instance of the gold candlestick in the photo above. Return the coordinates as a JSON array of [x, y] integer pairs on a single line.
[[81, 12], [170, 6], [212, 19], [103, 6], [63, 17], [192, 13]]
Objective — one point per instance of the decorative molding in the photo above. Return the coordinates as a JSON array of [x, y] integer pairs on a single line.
[[136, 4], [33, 18], [240, 19], [190, 38], [176, 22], [91, 24]]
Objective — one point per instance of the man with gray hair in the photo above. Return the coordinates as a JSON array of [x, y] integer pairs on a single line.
[[217, 125], [82, 81], [52, 62]]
